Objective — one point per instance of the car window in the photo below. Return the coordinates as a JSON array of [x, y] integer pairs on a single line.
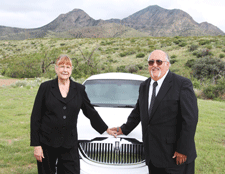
[[112, 93]]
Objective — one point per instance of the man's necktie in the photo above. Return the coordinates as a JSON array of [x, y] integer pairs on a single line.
[[153, 98]]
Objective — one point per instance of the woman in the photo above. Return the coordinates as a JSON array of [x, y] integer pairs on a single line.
[[54, 121]]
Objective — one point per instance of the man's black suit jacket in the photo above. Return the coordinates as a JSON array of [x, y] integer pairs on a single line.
[[54, 119], [172, 124]]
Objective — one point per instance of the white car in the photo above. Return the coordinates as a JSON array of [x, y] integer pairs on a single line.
[[113, 96]]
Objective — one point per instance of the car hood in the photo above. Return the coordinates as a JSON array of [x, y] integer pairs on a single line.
[[113, 117]]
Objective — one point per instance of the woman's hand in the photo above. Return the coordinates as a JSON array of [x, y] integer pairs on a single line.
[[38, 153], [118, 130], [111, 132]]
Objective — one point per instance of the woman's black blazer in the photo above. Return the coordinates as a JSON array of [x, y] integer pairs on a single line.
[[54, 118]]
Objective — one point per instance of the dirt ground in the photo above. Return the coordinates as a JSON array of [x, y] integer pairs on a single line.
[[7, 82]]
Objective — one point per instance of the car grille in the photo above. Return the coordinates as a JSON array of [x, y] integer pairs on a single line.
[[108, 153]]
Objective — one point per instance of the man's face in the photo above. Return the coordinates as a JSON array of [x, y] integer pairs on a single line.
[[158, 71]]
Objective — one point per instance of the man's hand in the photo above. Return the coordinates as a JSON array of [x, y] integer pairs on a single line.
[[118, 130], [111, 132], [180, 158], [38, 153]]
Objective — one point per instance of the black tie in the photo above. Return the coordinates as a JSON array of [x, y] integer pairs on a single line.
[[153, 98]]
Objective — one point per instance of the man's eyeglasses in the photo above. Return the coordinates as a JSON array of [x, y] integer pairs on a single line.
[[158, 62]]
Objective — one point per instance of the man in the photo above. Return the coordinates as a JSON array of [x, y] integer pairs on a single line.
[[168, 113]]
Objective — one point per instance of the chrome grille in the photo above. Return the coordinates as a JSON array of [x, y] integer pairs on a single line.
[[107, 153]]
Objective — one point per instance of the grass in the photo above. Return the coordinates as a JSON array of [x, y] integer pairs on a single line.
[[16, 155]]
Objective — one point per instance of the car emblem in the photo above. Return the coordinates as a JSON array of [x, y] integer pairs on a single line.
[[117, 146]]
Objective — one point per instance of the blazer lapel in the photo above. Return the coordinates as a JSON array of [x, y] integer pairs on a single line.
[[55, 91], [72, 91], [145, 100], [166, 85]]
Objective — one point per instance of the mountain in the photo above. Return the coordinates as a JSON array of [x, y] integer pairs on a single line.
[[151, 21]]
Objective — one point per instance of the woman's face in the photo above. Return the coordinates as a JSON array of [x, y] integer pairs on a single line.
[[63, 71]]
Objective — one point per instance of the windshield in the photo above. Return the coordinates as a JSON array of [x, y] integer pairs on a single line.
[[113, 93]]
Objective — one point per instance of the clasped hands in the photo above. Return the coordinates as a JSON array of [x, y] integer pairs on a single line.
[[180, 158], [114, 131]]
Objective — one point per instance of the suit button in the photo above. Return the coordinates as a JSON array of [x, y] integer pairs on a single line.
[[64, 107], [64, 117]]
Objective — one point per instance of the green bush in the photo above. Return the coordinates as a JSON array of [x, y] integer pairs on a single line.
[[204, 42], [131, 68], [222, 55], [121, 68], [203, 52], [173, 56], [173, 61], [209, 92], [207, 68], [190, 63], [123, 54], [209, 47], [140, 66], [140, 55], [196, 84], [177, 41], [182, 44], [215, 91], [193, 48]]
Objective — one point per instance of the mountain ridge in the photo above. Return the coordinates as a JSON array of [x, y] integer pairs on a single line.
[[151, 21]]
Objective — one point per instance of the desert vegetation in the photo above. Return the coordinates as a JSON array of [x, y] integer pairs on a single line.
[[201, 59]]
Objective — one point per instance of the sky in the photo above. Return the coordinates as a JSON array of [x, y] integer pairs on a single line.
[[37, 13]]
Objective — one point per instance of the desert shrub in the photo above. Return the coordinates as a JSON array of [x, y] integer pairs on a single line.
[[209, 47], [130, 52], [215, 91], [196, 83], [131, 68], [219, 46], [132, 40], [140, 66], [140, 55], [207, 68], [121, 68], [173, 56], [193, 48], [202, 53], [28, 83], [221, 55], [172, 61], [177, 41], [204, 42], [123, 54], [182, 44], [195, 53], [62, 44], [209, 91], [190, 63]]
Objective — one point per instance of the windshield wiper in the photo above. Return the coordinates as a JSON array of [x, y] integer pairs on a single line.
[[125, 106], [95, 105]]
